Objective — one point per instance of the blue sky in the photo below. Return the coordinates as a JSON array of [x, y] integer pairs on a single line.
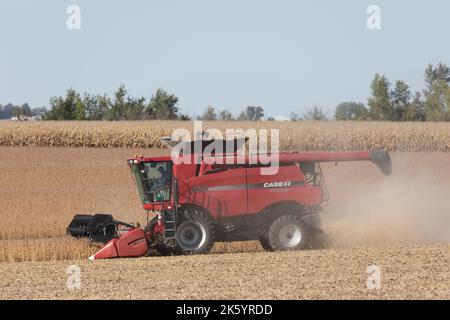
[[282, 55]]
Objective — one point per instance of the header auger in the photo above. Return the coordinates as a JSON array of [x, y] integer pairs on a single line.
[[222, 198]]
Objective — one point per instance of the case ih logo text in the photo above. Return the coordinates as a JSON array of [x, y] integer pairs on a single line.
[[281, 184]]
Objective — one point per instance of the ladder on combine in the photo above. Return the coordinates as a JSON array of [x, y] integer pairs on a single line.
[[170, 230], [170, 220]]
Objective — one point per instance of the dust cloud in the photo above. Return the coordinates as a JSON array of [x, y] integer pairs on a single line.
[[410, 207]]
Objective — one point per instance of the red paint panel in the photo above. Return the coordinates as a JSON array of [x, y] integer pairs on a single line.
[[287, 185], [132, 244], [109, 250], [222, 193]]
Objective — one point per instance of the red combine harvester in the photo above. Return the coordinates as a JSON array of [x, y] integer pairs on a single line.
[[211, 200]]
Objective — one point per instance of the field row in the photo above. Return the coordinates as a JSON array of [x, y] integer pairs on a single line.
[[405, 273], [294, 136]]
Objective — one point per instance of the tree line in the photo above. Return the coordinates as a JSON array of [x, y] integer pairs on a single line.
[[251, 113], [121, 106], [388, 102], [161, 106], [396, 102], [10, 110]]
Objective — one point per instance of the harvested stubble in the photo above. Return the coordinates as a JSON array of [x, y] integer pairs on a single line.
[[302, 135], [406, 273]]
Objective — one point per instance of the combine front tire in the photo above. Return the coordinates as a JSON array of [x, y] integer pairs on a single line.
[[165, 251], [195, 233], [264, 241], [288, 232]]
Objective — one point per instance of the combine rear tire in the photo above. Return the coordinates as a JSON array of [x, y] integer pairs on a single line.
[[195, 233], [288, 232]]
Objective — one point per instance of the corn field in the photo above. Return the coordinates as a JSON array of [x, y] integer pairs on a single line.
[[294, 136], [44, 183]]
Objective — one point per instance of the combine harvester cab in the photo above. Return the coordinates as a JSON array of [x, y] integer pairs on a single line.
[[191, 205]]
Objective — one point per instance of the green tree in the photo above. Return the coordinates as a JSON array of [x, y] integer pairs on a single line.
[[437, 80], [162, 106], [437, 102], [23, 112], [401, 99], [6, 111], [254, 113], [380, 107], [118, 106], [259, 113], [242, 116], [294, 116], [435, 74], [65, 108], [16, 112], [209, 114], [184, 117], [97, 106], [80, 109], [125, 107], [315, 113], [416, 109], [351, 111], [135, 108], [225, 115], [26, 110]]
